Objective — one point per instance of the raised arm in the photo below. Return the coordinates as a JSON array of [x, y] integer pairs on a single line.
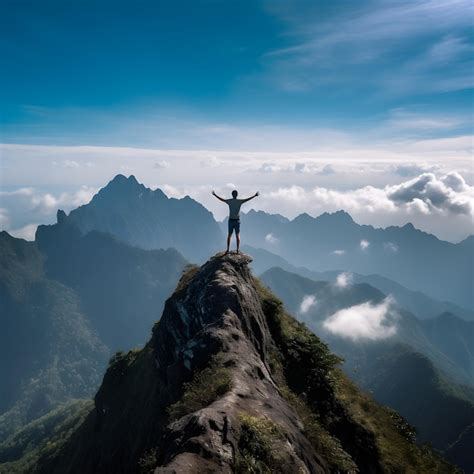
[[218, 197], [251, 197]]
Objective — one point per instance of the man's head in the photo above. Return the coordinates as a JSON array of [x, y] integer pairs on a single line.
[[234, 194]]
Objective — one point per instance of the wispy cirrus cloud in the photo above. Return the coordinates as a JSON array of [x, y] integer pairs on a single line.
[[402, 44]]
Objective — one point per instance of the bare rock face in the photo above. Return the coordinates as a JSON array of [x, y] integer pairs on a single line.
[[220, 309], [210, 392]]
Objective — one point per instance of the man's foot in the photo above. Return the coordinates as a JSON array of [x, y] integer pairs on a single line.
[[226, 252]]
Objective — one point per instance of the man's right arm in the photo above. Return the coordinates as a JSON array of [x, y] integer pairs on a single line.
[[218, 197]]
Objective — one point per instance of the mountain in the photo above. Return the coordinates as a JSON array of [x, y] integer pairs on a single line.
[[122, 289], [423, 306], [455, 337], [49, 352], [67, 302], [413, 258], [408, 382], [231, 383], [402, 371], [149, 219]]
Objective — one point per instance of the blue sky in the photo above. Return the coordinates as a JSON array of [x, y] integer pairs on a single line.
[[188, 95]]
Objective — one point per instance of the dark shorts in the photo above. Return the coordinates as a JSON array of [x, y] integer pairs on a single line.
[[234, 224]]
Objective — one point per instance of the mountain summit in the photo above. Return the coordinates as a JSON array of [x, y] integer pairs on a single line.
[[230, 383], [148, 219]]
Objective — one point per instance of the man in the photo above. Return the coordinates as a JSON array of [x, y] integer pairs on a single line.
[[234, 215]]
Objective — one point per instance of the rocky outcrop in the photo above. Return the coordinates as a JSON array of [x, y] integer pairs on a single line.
[[229, 383]]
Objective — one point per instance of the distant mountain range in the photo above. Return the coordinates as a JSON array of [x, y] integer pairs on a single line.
[[417, 260], [413, 258]]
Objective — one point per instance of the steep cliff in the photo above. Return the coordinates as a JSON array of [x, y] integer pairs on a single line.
[[230, 383]]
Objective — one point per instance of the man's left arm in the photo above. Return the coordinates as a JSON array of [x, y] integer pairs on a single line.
[[251, 197]]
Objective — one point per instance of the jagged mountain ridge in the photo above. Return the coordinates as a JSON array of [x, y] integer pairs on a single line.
[[281, 404], [415, 259]]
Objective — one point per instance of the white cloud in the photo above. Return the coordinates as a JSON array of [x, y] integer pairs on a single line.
[[27, 232], [271, 239], [390, 247], [4, 218], [71, 164], [338, 252], [161, 165], [308, 302], [308, 167], [365, 321], [448, 194], [364, 244], [344, 279], [410, 170], [28, 206], [408, 120]]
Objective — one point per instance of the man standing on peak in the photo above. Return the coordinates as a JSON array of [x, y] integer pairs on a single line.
[[234, 215]]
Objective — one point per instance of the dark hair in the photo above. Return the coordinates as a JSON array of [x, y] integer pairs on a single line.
[[234, 193]]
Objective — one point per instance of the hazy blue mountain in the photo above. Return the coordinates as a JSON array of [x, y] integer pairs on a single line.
[[442, 412], [423, 336], [67, 302], [149, 219], [418, 303], [455, 337], [415, 259], [49, 352], [122, 288]]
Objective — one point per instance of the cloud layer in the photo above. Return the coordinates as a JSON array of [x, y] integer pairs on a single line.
[[363, 322]]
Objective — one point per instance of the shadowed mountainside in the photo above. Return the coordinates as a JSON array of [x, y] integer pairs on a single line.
[[49, 352], [67, 302]]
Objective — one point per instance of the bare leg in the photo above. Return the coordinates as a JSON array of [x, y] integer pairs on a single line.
[[228, 242], [237, 237]]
